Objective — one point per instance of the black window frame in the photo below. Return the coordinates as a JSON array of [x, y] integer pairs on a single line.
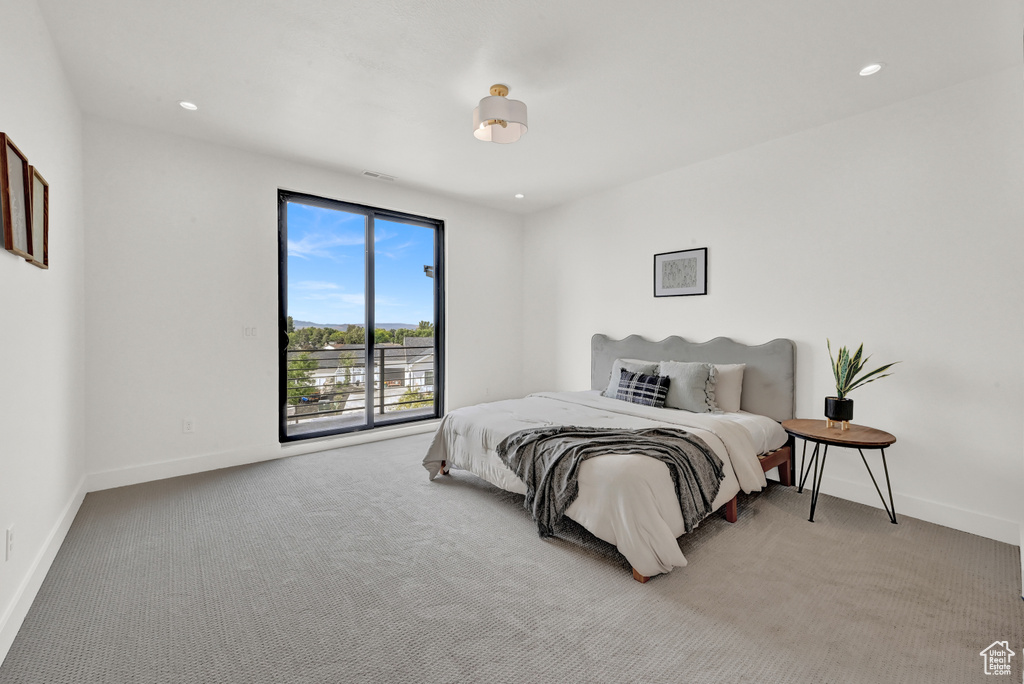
[[372, 214]]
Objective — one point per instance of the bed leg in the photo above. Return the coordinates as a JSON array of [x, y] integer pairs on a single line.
[[638, 577], [786, 472], [730, 510], [444, 468]]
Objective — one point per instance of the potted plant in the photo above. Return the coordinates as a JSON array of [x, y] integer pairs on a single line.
[[846, 369]]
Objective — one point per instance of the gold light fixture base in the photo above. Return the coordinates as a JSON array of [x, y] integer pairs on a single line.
[[498, 90]]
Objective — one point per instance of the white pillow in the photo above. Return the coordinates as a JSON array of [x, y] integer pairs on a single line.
[[691, 386], [633, 366], [729, 386]]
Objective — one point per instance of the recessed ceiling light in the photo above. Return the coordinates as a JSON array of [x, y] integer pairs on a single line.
[[188, 105], [872, 69], [520, 195]]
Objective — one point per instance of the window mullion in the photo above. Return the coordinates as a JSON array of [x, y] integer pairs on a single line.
[[371, 355]]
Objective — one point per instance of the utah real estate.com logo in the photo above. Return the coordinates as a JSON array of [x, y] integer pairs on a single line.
[[997, 658]]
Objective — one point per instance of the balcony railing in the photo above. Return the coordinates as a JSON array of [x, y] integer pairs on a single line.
[[326, 388]]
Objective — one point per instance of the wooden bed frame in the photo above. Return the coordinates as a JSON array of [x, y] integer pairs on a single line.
[[781, 458]]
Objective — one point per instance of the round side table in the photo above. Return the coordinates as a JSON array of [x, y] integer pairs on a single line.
[[857, 437]]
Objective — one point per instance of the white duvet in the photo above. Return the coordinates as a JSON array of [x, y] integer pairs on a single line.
[[625, 499]]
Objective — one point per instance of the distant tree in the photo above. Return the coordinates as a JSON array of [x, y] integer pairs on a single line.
[[310, 338], [355, 334], [413, 398], [323, 337], [338, 337], [382, 336], [300, 378], [425, 329], [300, 339], [290, 327]]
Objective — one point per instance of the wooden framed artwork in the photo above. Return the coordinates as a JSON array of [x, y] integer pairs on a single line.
[[40, 220], [16, 190], [680, 274]]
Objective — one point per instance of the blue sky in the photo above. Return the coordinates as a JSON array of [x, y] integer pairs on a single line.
[[326, 268]]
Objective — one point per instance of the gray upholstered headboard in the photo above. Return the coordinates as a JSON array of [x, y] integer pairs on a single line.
[[768, 380]]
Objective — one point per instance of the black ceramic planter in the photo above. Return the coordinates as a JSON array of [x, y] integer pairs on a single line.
[[838, 409]]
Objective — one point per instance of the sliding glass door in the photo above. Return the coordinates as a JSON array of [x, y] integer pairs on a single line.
[[361, 317]]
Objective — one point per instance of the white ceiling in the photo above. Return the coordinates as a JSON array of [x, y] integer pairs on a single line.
[[616, 90]]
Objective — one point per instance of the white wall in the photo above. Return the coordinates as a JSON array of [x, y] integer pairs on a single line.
[[900, 228], [41, 336], [183, 253]]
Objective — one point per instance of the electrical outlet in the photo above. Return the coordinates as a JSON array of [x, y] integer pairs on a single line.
[[249, 332], [188, 425], [9, 545]]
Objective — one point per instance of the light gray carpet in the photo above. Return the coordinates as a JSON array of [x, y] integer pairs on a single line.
[[349, 566]]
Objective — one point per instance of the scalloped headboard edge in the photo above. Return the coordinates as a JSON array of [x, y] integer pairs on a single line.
[[769, 380]]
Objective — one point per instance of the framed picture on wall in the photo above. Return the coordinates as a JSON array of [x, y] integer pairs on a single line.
[[16, 189], [40, 220], [679, 274]]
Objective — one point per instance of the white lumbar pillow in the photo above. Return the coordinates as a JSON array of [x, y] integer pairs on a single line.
[[729, 386]]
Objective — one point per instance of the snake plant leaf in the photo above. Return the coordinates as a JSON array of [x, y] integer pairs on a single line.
[[862, 381], [856, 363], [835, 366], [847, 368], [844, 370], [872, 376]]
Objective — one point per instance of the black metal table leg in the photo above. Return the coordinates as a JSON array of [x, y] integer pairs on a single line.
[[791, 443], [890, 508], [888, 486], [816, 483], [800, 480], [803, 472]]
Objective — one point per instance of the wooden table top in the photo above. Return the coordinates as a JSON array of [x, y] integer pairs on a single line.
[[856, 436]]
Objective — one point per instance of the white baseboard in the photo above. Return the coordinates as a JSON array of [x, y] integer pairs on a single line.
[[14, 615], [149, 472], [981, 524], [1022, 560]]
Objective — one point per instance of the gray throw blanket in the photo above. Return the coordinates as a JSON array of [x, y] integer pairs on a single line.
[[548, 461]]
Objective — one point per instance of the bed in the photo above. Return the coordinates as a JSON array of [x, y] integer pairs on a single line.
[[626, 499]]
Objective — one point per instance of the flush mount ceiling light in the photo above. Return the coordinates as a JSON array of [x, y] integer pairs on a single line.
[[520, 195], [188, 105], [499, 119], [872, 69]]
